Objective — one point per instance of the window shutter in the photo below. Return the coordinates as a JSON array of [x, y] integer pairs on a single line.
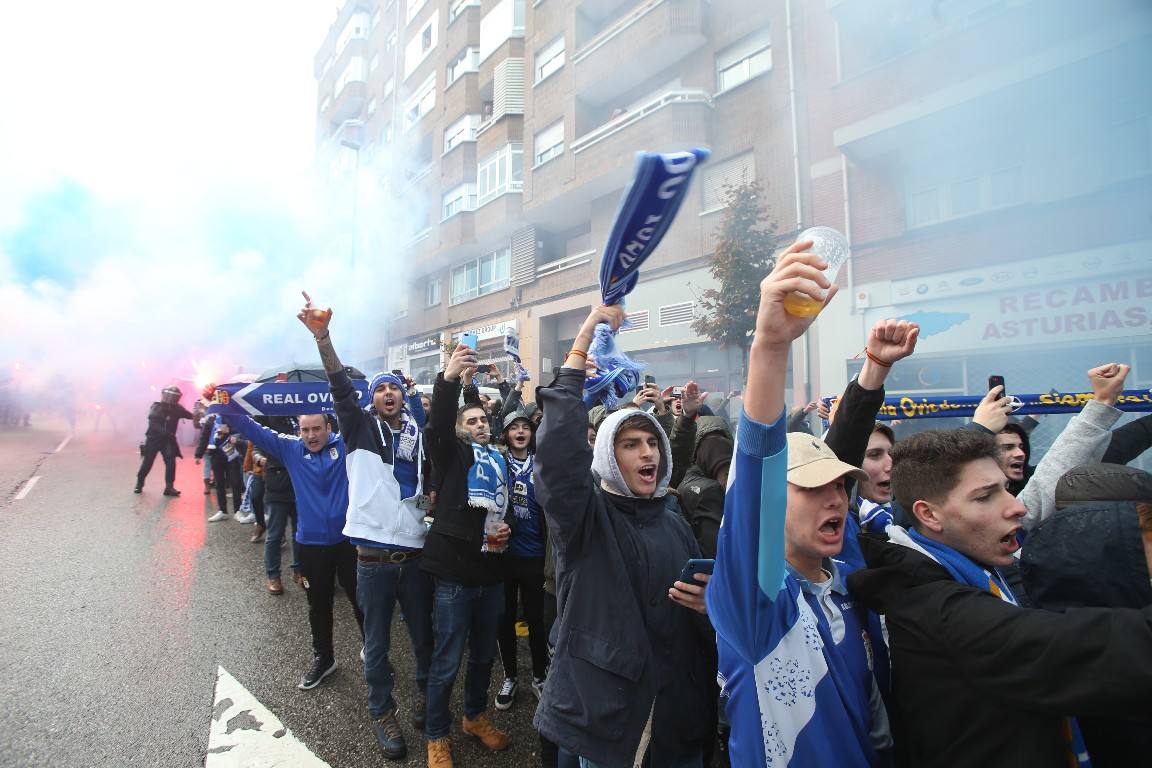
[[733, 171]]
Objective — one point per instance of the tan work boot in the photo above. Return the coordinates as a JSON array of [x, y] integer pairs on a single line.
[[490, 736], [440, 753]]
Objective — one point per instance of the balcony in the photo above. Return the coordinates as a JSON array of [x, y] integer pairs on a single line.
[[349, 103], [649, 38], [675, 120]]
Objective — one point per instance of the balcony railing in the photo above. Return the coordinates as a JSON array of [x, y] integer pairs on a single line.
[[616, 28], [619, 123]]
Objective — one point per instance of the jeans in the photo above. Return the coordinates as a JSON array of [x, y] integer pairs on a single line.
[[256, 497], [462, 615], [378, 587], [323, 565], [524, 579], [278, 513]]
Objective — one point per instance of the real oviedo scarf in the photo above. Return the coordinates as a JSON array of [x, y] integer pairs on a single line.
[[488, 484]]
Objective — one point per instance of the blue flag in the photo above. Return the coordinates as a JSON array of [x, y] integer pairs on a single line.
[[659, 185]]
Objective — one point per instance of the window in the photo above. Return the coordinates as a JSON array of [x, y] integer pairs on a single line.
[[460, 131], [549, 143], [500, 172], [374, 62], [941, 191], [467, 61], [727, 173], [414, 7], [743, 61], [458, 7], [390, 43], [485, 275], [386, 134], [923, 207], [421, 44], [462, 198], [505, 20], [550, 58], [325, 104], [421, 103], [389, 86], [371, 106], [376, 19], [432, 293]]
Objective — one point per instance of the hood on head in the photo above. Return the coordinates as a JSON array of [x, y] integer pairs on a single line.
[[1016, 429], [1088, 555], [714, 445], [1103, 482], [604, 454]]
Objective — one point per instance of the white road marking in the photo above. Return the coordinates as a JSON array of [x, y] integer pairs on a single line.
[[63, 443], [27, 487], [244, 734]]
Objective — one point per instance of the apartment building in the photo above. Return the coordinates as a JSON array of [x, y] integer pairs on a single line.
[[508, 129], [990, 161]]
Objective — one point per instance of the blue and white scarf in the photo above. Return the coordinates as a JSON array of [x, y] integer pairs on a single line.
[[874, 518], [659, 185], [958, 566], [487, 480]]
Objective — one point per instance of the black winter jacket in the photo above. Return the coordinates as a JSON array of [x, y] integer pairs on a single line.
[[622, 645], [977, 681], [452, 550]]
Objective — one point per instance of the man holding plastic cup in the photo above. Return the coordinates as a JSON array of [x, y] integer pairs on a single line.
[[463, 554]]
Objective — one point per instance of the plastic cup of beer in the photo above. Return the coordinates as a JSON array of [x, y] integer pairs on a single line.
[[492, 531], [832, 247]]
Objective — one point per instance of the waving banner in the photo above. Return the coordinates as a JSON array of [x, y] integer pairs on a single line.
[[964, 406], [659, 185], [273, 398]]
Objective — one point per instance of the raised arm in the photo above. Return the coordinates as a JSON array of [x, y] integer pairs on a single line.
[[345, 401], [564, 483], [269, 441], [749, 571], [1083, 441], [889, 342]]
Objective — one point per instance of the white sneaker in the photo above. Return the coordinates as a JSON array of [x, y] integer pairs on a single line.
[[245, 519], [538, 687], [220, 515]]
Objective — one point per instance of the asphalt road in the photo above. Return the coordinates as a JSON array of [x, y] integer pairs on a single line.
[[117, 610]]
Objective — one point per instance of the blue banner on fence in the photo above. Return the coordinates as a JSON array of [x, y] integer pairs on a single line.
[[273, 398], [964, 406]]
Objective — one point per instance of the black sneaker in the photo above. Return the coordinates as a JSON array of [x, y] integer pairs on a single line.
[[390, 737], [507, 694], [420, 711], [321, 668], [139, 488], [171, 491]]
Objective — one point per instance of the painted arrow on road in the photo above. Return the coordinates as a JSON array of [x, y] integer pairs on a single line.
[[245, 734], [272, 398]]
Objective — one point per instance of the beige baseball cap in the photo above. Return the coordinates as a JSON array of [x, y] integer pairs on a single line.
[[811, 463]]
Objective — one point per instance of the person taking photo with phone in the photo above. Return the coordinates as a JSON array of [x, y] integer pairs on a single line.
[[464, 555]]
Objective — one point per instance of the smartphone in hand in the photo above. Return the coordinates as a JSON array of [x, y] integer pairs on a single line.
[[693, 567], [468, 340], [997, 381]]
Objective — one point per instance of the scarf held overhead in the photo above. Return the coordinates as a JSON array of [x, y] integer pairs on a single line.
[[659, 185]]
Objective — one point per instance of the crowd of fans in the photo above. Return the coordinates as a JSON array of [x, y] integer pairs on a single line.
[[935, 600]]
